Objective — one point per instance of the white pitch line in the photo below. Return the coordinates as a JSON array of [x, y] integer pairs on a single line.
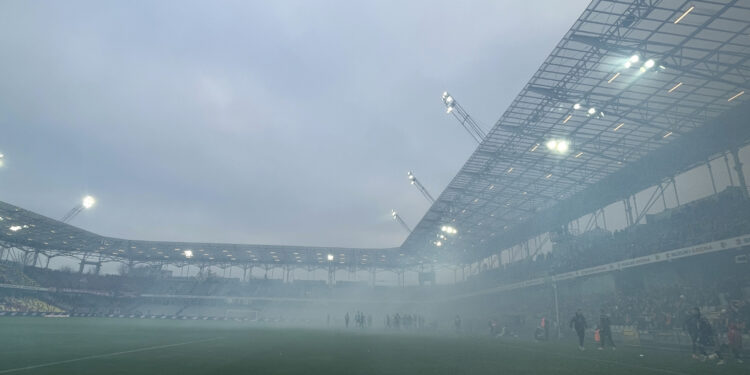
[[106, 355]]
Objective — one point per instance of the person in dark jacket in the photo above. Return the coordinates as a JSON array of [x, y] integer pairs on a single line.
[[691, 327], [707, 341], [579, 324], [605, 331]]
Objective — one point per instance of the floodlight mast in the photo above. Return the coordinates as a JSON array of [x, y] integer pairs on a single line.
[[401, 221], [471, 126], [413, 180], [86, 203]]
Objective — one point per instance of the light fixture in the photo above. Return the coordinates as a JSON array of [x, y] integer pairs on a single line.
[[619, 126], [558, 145], [15, 228], [448, 229], [88, 202], [684, 14], [577, 106], [330, 257], [675, 87], [649, 63], [188, 253], [592, 111], [628, 64], [634, 59], [613, 77], [567, 119], [737, 95]]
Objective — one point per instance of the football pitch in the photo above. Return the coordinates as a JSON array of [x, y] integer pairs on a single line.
[[143, 346]]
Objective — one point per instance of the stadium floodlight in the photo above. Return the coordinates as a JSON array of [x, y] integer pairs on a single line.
[[413, 180], [558, 145], [438, 243], [330, 257], [628, 64], [448, 229], [577, 106], [188, 253], [634, 59], [15, 228], [448, 101], [2, 158], [88, 202], [649, 64], [592, 111], [401, 221]]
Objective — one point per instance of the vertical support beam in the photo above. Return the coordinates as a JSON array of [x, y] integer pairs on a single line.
[[663, 198], [604, 219], [628, 212], [738, 169], [676, 196], [557, 311], [729, 170], [635, 208], [711, 174], [35, 259], [331, 274]]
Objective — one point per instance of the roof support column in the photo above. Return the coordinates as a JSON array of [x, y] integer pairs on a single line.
[[676, 196], [711, 174], [738, 169], [729, 170], [628, 212], [331, 274]]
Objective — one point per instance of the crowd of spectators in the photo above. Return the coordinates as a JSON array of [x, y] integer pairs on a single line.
[[720, 216]]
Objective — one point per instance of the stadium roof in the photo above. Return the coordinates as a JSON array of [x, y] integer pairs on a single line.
[[615, 113], [55, 237], [609, 108]]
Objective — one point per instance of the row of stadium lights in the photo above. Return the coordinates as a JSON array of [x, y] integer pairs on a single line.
[[561, 146], [188, 254]]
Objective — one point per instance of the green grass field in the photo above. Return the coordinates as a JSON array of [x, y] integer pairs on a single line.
[[129, 346]]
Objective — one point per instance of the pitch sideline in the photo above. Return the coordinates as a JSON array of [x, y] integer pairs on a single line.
[[48, 364]]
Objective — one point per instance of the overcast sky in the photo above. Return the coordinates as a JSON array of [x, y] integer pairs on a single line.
[[275, 122]]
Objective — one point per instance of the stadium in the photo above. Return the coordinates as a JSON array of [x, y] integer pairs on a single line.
[[607, 208]]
